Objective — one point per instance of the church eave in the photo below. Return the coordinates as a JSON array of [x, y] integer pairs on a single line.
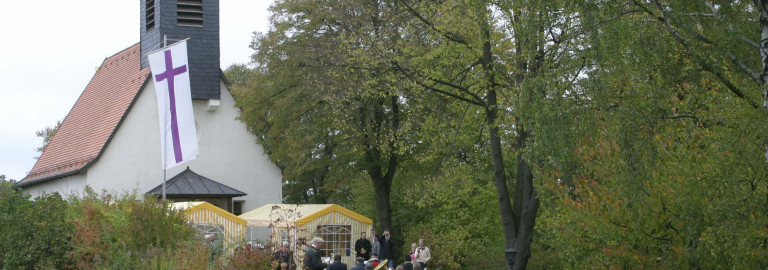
[[49, 178]]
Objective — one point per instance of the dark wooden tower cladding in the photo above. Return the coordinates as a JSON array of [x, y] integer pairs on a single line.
[[197, 20]]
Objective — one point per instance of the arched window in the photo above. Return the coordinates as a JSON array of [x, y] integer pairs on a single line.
[[338, 239], [204, 229]]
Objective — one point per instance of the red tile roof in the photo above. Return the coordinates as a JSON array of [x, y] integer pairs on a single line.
[[88, 127]]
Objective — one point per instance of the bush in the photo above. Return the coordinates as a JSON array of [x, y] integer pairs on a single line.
[[248, 259], [104, 231], [35, 233], [125, 231]]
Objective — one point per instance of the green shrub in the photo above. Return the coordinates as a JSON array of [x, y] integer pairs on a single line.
[[126, 231], [35, 233]]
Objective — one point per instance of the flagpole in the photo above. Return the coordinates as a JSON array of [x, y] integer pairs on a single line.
[[165, 135], [168, 109]]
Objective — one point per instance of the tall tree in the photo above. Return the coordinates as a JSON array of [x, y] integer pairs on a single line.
[[326, 114], [506, 58], [368, 65], [671, 166]]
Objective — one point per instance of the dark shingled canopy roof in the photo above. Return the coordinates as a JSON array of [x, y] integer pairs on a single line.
[[191, 183]]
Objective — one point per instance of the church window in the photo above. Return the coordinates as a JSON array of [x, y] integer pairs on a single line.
[[338, 239], [189, 12], [149, 14]]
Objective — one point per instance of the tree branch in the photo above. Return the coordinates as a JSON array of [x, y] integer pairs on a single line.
[[745, 68], [703, 63], [457, 87], [429, 87], [448, 35], [678, 116]]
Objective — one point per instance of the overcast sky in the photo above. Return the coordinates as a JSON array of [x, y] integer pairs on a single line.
[[50, 50]]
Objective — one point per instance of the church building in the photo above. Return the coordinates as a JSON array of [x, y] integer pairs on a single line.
[[110, 138]]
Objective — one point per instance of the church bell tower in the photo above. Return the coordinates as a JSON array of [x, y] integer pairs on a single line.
[[175, 20]]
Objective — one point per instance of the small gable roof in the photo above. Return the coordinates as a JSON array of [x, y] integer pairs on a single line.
[[191, 183], [192, 207], [295, 214], [95, 117]]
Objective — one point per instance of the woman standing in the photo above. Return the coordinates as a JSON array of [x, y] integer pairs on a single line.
[[413, 252], [422, 254]]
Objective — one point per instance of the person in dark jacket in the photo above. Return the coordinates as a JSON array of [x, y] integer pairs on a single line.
[[407, 265], [363, 247], [337, 264], [284, 255], [386, 250], [312, 258], [360, 264]]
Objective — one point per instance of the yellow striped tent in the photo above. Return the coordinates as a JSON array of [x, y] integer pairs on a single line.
[[298, 224], [207, 218]]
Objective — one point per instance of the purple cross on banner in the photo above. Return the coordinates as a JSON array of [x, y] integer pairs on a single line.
[[169, 73], [176, 117]]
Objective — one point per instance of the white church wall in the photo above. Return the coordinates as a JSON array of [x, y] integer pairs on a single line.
[[131, 160], [233, 156], [228, 153], [66, 186]]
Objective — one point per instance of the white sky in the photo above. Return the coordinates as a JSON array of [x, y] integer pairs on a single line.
[[49, 50]]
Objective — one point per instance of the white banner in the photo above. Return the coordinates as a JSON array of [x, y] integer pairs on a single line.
[[170, 71]]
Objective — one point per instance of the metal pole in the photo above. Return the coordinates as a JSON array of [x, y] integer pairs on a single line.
[[163, 184], [165, 42]]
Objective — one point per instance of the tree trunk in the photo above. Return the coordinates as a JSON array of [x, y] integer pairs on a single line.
[[526, 204], [373, 119], [383, 205], [762, 9], [508, 221]]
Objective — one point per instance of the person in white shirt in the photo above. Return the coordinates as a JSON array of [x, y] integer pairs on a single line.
[[422, 254]]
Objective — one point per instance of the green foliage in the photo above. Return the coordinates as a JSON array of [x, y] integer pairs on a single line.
[[123, 230], [35, 233], [640, 121], [250, 259], [47, 134], [457, 215], [238, 74], [6, 181], [95, 231], [671, 171], [329, 112]]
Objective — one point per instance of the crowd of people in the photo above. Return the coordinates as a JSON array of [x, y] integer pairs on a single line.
[[374, 253]]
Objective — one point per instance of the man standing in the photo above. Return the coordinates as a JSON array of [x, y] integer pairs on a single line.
[[312, 258], [284, 255], [373, 233], [363, 247], [387, 248], [337, 264]]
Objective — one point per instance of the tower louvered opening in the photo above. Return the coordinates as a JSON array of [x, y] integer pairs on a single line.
[[189, 13], [149, 14]]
